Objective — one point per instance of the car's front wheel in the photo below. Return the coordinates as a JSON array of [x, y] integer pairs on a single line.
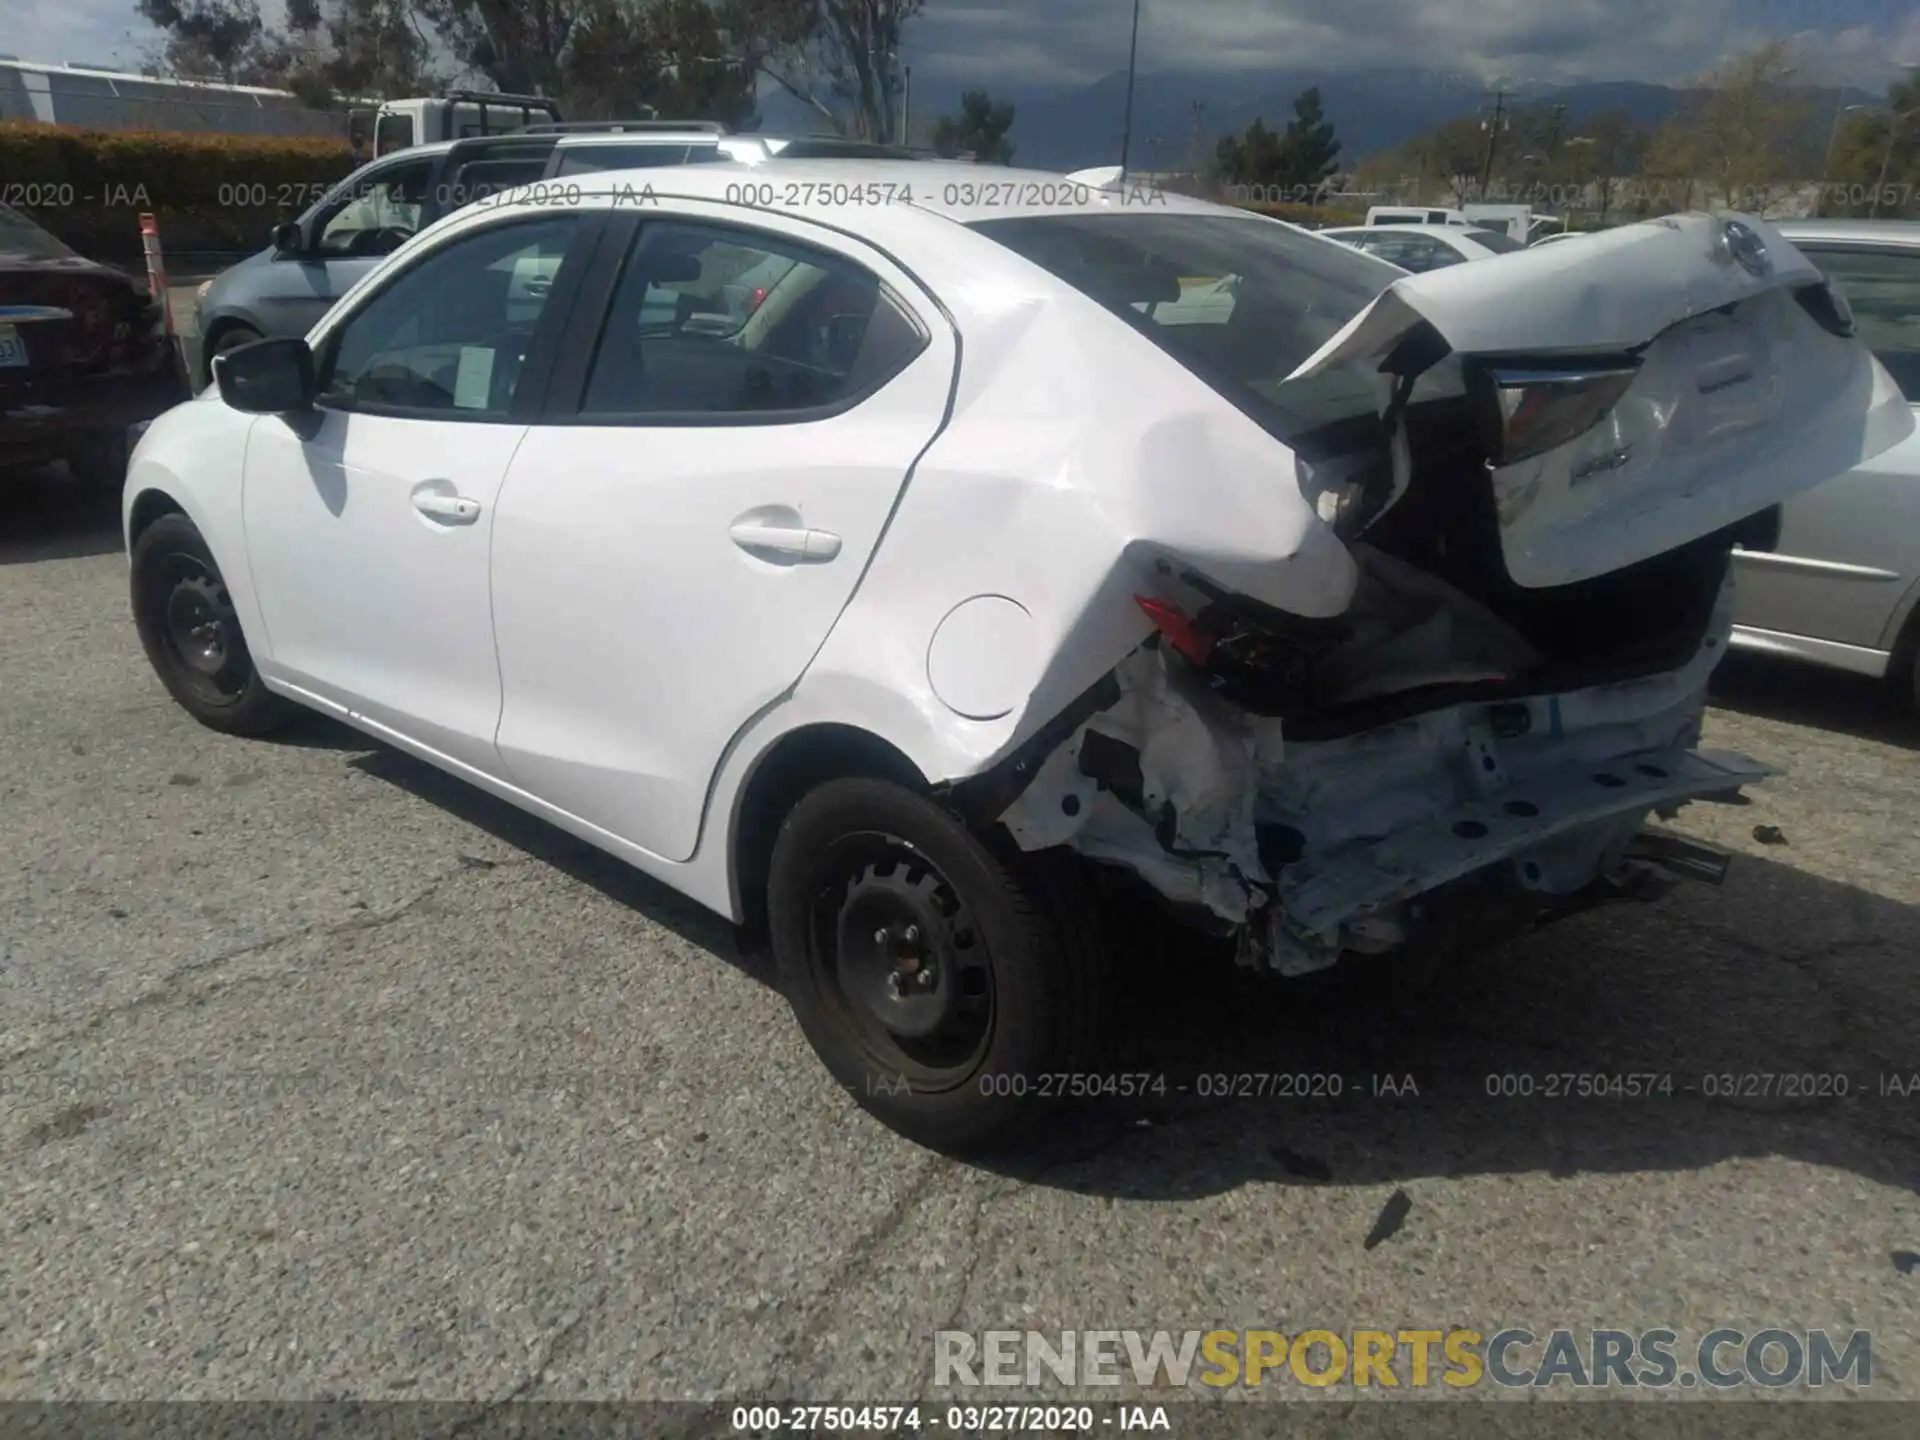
[[191, 633], [948, 993]]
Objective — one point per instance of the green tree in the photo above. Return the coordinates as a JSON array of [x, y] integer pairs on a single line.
[[1885, 136], [840, 58], [1309, 152], [1253, 158], [980, 129], [1604, 157], [668, 55], [206, 39], [1743, 138]]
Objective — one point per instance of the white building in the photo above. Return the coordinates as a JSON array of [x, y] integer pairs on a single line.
[[113, 100]]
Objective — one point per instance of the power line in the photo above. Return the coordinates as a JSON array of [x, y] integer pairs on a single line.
[[1500, 98]]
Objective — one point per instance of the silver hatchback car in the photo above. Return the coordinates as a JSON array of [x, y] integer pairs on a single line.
[[1840, 585], [314, 260]]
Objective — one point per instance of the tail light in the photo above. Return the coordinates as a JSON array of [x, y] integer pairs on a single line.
[[1542, 408], [756, 299], [1179, 630]]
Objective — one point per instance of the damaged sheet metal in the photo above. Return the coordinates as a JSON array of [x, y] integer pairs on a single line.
[[1180, 787]]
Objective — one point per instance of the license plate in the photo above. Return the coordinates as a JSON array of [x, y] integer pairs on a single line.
[[13, 349]]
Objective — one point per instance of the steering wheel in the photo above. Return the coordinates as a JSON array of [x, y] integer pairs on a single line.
[[379, 242]]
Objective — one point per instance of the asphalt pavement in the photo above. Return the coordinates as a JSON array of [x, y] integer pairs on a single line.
[[326, 1075]]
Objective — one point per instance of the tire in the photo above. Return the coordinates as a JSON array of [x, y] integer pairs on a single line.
[[99, 462], [192, 636], [1904, 672], [230, 338], [1007, 959]]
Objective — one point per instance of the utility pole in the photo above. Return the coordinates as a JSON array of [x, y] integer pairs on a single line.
[[1500, 98], [1197, 145], [1133, 56]]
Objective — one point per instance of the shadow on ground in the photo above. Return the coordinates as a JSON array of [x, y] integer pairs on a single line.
[[1777, 1015], [1796, 693], [44, 515]]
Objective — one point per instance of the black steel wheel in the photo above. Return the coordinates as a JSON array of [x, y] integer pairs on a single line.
[[191, 632], [947, 992]]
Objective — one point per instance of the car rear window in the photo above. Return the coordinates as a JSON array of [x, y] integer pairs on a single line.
[[1495, 241], [1240, 302], [589, 159], [20, 237]]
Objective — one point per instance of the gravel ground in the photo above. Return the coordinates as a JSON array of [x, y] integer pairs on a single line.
[[326, 1075]]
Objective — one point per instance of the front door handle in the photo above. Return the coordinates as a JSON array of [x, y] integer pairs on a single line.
[[785, 542], [454, 509]]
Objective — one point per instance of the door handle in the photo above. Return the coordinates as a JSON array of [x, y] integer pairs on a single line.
[[454, 509], [787, 542]]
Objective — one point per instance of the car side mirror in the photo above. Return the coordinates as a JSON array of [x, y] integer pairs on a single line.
[[267, 377], [287, 239]]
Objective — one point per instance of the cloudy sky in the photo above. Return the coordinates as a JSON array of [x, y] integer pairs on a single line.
[[1031, 42]]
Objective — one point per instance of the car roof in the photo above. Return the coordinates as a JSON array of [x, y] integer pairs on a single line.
[[957, 189], [1892, 232], [1452, 232]]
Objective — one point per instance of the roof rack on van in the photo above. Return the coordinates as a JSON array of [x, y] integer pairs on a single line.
[[501, 97], [627, 127]]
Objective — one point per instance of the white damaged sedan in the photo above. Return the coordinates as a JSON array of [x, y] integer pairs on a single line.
[[861, 555]]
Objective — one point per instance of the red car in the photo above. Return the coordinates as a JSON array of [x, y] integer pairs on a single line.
[[83, 356]]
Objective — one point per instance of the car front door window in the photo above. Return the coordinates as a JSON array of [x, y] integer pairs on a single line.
[[447, 339], [375, 215]]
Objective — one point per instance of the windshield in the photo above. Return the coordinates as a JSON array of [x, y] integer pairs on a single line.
[[1241, 302], [20, 238], [1495, 241]]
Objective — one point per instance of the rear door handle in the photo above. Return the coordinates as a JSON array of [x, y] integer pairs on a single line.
[[454, 509], [789, 543]]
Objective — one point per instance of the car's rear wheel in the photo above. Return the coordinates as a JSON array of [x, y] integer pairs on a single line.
[[948, 991], [191, 633]]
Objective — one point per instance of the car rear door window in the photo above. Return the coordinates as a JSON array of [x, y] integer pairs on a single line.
[[640, 155], [475, 180], [1883, 287], [1414, 252], [711, 321], [447, 338], [1496, 241]]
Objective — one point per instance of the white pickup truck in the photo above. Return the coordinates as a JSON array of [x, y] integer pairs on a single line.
[[456, 115]]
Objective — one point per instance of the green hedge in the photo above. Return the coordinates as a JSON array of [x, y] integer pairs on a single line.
[[210, 192]]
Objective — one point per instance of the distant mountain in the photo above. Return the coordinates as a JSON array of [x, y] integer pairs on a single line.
[[1371, 110]]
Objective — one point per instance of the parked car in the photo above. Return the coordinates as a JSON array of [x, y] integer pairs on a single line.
[[952, 588], [1554, 236], [83, 355], [315, 259], [1420, 248], [1840, 585]]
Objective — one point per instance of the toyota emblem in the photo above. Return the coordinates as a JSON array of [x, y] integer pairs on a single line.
[[1743, 243]]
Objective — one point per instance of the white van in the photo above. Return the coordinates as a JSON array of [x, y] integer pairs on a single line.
[[1415, 215]]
